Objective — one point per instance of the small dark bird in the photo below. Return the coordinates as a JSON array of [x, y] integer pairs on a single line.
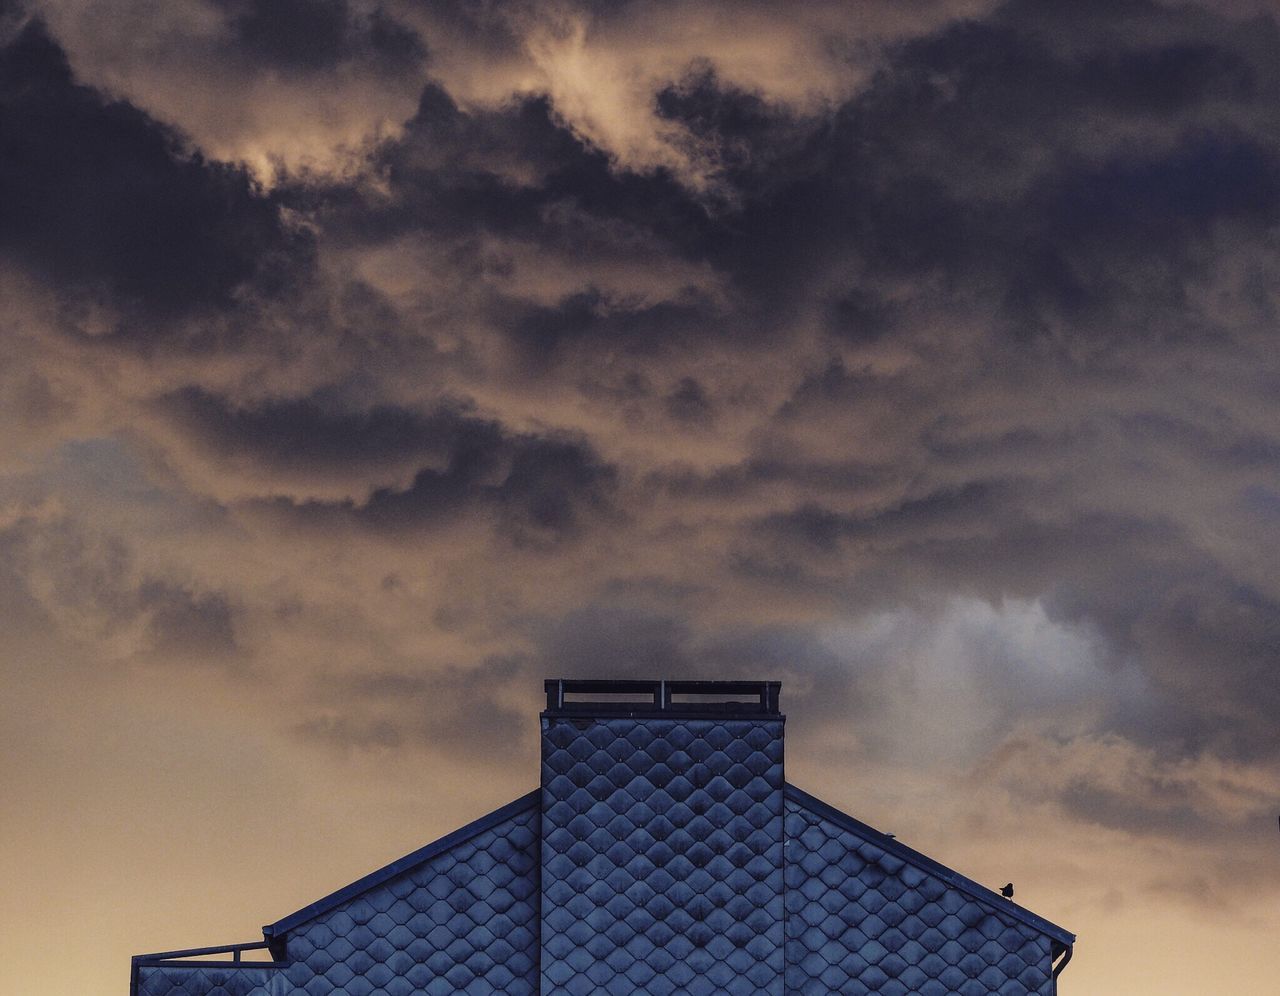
[[1007, 891]]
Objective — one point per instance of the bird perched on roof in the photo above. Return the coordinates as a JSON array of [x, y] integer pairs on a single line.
[[1007, 891]]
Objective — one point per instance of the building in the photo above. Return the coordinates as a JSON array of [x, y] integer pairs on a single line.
[[664, 853]]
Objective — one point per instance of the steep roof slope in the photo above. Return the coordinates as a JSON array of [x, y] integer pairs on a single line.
[[459, 915], [867, 914]]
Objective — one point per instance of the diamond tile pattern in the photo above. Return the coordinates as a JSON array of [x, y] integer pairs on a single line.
[[203, 980], [465, 921], [662, 856], [861, 920]]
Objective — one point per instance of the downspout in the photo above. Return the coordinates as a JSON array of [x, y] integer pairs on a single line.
[[1057, 969]]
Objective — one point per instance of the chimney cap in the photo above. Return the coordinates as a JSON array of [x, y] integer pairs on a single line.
[[624, 697]]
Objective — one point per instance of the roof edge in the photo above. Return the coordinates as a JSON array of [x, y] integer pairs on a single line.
[[437, 847], [952, 877]]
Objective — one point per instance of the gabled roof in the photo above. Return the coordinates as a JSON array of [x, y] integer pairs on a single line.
[[663, 852], [530, 800], [383, 874]]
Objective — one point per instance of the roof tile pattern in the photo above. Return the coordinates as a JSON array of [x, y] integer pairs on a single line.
[[662, 857], [663, 854], [464, 921], [863, 921], [205, 980]]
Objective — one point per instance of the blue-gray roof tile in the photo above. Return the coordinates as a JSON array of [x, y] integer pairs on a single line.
[[663, 854]]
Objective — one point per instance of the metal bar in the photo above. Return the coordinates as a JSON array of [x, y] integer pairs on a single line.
[[210, 964], [194, 952], [735, 696], [628, 685], [719, 687]]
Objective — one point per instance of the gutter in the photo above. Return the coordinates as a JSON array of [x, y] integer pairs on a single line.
[[1067, 952]]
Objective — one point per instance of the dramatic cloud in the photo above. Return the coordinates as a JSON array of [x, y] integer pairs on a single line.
[[101, 198], [363, 363], [314, 35]]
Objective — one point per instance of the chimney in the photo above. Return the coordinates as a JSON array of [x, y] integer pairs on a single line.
[[662, 837]]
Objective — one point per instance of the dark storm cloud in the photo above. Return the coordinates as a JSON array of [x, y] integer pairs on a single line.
[[1102, 224], [1095, 220], [542, 491], [1217, 640], [1163, 808], [688, 403], [95, 196], [315, 35], [930, 170], [539, 489], [544, 333], [1075, 177], [320, 434], [187, 625], [980, 539], [1054, 170], [747, 137], [756, 474], [1000, 187], [975, 507], [519, 172], [1069, 177], [516, 170], [451, 172]]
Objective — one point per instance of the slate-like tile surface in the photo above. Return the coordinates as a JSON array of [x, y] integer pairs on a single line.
[[862, 921], [662, 857], [200, 980], [465, 921]]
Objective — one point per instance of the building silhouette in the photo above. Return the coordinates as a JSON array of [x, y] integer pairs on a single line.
[[663, 853]]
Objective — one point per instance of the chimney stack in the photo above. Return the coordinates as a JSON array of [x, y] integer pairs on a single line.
[[662, 837]]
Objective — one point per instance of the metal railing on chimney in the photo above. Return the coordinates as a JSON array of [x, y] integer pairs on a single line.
[[636, 697]]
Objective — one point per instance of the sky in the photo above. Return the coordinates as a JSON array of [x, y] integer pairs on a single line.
[[364, 363]]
